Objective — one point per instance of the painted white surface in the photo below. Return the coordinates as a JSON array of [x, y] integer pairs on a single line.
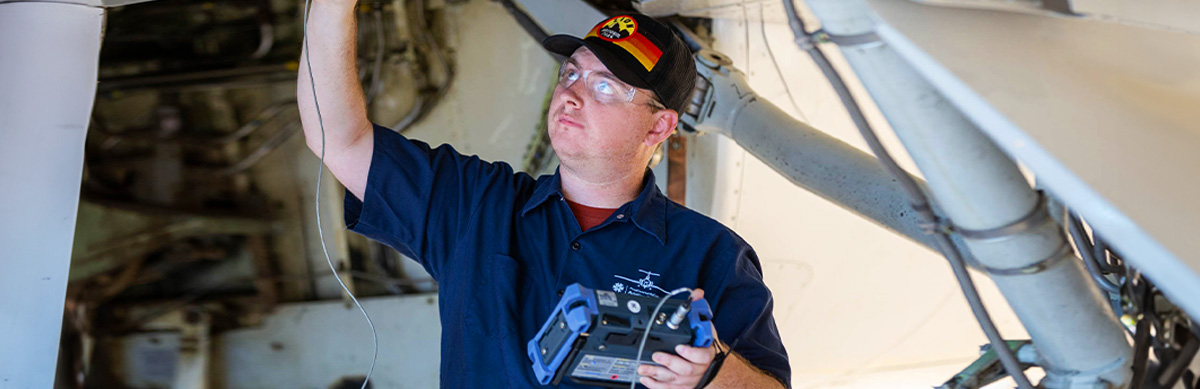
[[857, 306], [49, 55], [313, 345], [495, 104], [150, 359], [1163, 14], [562, 16], [1102, 113]]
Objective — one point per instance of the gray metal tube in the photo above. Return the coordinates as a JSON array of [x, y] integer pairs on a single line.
[[979, 188], [49, 54], [826, 166], [811, 159]]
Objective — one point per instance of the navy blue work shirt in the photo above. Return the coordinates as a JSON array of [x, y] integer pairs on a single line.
[[502, 246]]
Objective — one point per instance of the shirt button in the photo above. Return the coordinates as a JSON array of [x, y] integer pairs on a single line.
[[575, 246], [620, 216]]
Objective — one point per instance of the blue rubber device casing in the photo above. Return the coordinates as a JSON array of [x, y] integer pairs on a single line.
[[700, 318], [578, 306], [558, 347]]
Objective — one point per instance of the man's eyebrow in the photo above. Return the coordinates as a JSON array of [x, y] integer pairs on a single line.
[[600, 72]]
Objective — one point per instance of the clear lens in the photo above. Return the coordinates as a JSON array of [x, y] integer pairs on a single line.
[[604, 87], [567, 75]]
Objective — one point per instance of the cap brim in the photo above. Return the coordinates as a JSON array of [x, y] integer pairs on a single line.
[[565, 45]]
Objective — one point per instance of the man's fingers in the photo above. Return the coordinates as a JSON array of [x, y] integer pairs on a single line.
[[652, 384], [657, 373], [697, 355], [697, 294], [677, 365]]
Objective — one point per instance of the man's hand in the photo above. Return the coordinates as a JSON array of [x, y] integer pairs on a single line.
[[679, 371], [686, 369], [682, 371]]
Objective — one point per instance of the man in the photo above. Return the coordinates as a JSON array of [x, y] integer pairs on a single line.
[[503, 245]]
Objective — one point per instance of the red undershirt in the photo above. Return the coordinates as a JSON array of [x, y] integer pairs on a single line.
[[589, 217]]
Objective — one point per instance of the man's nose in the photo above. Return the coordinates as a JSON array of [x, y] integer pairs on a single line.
[[573, 94]]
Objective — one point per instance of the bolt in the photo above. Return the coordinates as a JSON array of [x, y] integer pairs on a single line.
[[601, 347], [544, 351]]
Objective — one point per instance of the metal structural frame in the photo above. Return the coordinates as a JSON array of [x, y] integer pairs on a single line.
[[49, 57], [814, 160], [982, 191]]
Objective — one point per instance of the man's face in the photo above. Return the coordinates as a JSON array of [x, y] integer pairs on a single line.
[[587, 133]]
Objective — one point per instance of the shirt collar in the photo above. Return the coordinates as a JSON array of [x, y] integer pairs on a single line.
[[648, 211], [545, 187]]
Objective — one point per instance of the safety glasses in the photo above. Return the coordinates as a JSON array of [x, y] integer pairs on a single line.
[[604, 87]]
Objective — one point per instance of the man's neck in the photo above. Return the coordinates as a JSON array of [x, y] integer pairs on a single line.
[[611, 191]]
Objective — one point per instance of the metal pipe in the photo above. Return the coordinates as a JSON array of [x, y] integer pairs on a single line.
[[265, 116], [981, 190], [49, 53], [1171, 373], [276, 140], [377, 64], [826, 166], [236, 76], [836, 171], [944, 240], [266, 30]]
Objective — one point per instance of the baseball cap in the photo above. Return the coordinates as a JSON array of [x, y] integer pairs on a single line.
[[641, 52]]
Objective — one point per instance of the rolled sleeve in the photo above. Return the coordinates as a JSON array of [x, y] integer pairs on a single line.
[[744, 318]]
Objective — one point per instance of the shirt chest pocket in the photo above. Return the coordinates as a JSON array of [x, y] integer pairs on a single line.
[[493, 311]]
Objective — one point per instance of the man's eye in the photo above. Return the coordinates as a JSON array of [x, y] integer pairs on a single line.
[[603, 86], [571, 75]]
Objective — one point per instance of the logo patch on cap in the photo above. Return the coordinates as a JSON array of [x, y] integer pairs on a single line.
[[622, 31], [617, 29]]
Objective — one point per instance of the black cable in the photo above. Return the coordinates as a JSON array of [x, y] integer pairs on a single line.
[[527, 23], [1075, 228], [762, 26], [802, 38], [1141, 340], [919, 201], [1107, 259], [1174, 370]]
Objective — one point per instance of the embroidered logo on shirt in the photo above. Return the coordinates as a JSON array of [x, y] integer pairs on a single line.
[[644, 286]]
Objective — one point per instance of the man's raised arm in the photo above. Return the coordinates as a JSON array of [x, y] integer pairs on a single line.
[[332, 41]]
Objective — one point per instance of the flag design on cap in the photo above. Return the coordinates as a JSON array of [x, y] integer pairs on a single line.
[[623, 32]]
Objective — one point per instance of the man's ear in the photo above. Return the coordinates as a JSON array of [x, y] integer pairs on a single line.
[[665, 121]]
